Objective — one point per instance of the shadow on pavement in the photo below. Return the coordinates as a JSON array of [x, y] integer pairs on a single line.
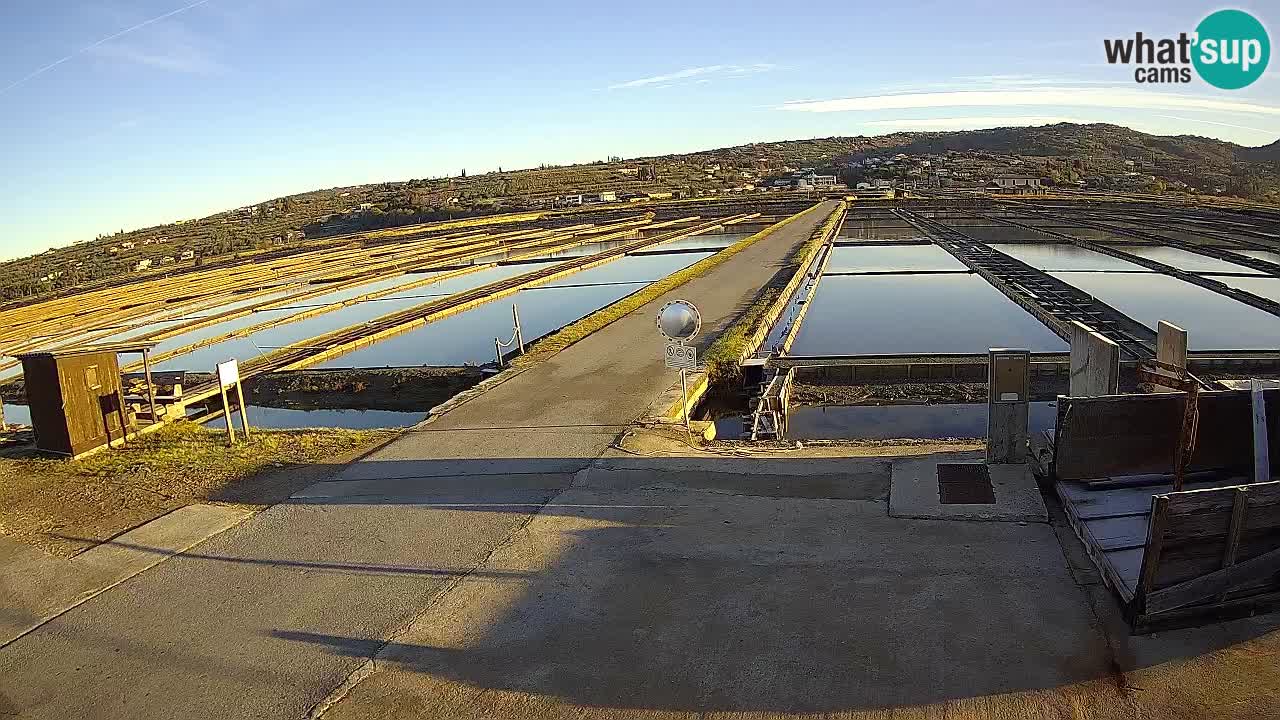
[[721, 584]]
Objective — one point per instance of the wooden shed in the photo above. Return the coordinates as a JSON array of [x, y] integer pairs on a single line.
[[75, 395]]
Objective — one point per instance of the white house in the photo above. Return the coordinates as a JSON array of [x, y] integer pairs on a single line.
[[1015, 184]]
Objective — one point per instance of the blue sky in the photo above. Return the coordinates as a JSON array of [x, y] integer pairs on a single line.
[[127, 113]]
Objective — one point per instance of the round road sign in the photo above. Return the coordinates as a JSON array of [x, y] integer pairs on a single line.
[[679, 320]]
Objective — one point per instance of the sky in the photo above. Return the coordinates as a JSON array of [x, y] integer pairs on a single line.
[[120, 114]]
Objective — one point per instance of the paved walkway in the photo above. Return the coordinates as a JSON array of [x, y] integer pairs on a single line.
[[221, 630]]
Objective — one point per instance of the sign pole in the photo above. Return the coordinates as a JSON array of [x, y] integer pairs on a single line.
[[226, 412], [678, 321], [244, 412], [228, 375], [684, 409]]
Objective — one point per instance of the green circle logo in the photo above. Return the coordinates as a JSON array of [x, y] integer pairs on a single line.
[[1232, 49]]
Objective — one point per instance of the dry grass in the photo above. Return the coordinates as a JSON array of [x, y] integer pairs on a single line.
[[478, 221], [64, 506], [725, 355]]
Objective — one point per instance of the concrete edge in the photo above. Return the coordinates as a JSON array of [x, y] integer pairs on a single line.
[[138, 550], [913, 493]]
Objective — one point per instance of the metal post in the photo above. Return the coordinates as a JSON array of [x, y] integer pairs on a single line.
[[1187, 434], [1261, 442], [244, 412], [226, 414], [684, 408], [151, 391], [124, 422], [497, 348], [515, 317]]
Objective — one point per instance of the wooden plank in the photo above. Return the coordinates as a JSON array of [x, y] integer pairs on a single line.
[[1103, 437], [1207, 586], [1239, 513], [1171, 348], [1155, 545], [1114, 579], [1125, 567], [1198, 614], [1119, 533], [1095, 363], [1239, 517]]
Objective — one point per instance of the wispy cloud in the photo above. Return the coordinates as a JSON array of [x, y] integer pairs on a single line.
[[1111, 98], [98, 43], [970, 122], [1269, 133], [695, 74], [174, 50], [1027, 80]]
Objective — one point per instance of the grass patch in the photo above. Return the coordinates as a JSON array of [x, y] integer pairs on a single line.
[[66, 505], [724, 357], [572, 333]]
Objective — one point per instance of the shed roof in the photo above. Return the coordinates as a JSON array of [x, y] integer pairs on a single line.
[[135, 346]]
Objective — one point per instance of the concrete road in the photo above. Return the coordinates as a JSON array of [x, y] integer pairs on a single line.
[[673, 603], [221, 630], [726, 587]]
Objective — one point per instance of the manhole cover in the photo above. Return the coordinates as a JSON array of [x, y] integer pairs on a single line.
[[965, 484]]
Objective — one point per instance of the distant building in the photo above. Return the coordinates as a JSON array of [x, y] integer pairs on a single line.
[[187, 255], [1014, 184], [364, 207], [126, 246], [167, 260], [142, 265]]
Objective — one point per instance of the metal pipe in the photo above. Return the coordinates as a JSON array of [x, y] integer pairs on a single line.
[[515, 317], [151, 390]]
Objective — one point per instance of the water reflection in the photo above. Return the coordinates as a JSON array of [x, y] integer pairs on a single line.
[[887, 422], [1184, 260], [467, 338], [889, 258], [900, 314], [1063, 256], [1213, 321], [17, 414]]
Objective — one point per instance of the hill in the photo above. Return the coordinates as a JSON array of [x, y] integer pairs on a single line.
[[1100, 155]]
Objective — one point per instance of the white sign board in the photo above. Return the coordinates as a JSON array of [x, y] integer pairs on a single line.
[[228, 373], [681, 357]]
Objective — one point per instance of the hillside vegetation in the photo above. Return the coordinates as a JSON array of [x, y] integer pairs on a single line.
[[1062, 153]]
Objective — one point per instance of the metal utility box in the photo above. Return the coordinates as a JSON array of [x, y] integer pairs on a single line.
[[75, 397], [1008, 395]]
